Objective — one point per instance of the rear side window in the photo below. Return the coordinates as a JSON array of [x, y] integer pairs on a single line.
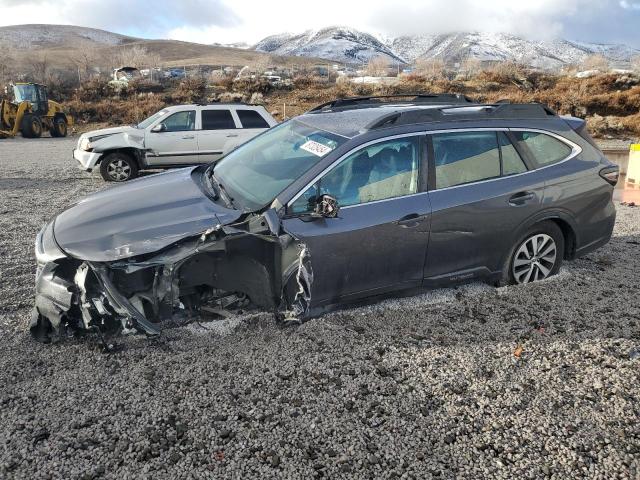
[[217, 120], [545, 149], [251, 119], [465, 157], [511, 161]]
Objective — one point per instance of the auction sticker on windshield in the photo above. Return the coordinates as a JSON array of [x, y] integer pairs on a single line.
[[316, 148]]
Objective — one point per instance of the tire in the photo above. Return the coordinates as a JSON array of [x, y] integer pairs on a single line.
[[525, 265], [59, 127], [31, 126], [118, 167]]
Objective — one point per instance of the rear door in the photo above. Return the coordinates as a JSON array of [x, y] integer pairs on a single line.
[[379, 240], [481, 190], [218, 133], [176, 144], [251, 124]]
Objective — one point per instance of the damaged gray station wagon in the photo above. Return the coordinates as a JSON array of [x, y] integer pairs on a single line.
[[356, 198]]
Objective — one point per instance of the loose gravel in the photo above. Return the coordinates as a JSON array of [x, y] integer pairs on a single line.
[[539, 381]]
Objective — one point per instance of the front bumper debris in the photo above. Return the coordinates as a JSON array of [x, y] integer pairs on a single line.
[[86, 160], [249, 265]]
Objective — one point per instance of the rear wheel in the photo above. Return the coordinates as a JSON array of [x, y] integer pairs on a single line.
[[536, 256], [59, 127], [118, 167], [31, 126]]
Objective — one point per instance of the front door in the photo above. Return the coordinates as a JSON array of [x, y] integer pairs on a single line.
[[480, 193], [379, 240], [176, 143]]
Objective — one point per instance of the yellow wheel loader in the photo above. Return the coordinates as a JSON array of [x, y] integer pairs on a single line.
[[31, 112]]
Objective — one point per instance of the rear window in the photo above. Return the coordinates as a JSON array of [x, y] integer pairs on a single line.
[[251, 119], [545, 149], [217, 120]]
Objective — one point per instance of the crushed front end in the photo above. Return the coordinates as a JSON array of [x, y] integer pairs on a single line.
[[248, 265]]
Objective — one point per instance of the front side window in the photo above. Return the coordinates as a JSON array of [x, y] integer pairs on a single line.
[[251, 119], [150, 120], [545, 149], [465, 157], [181, 121], [381, 171], [217, 120], [256, 172]]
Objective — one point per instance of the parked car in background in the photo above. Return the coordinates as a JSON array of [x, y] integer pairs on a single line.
[[355, 198], [175, 73], [173, 137]]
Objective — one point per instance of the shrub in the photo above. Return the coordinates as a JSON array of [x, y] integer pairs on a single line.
[[190, 90]]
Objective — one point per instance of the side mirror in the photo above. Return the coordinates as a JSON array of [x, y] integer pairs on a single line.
[[161, 127], [326, 207]]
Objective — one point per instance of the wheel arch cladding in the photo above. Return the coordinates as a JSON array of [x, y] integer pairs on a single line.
[[569, 235], [133, 153], [563, 220]]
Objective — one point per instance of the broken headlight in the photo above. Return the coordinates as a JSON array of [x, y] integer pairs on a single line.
[[85, 145], [47, 249]]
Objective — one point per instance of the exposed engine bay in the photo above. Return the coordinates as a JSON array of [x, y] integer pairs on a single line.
[[227, 269]]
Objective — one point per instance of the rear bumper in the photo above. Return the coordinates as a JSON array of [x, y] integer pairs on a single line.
[[606, 228], [87, 160]]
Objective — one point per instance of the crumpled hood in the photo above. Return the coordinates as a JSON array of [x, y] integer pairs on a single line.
[[112, 131], [139, 217]]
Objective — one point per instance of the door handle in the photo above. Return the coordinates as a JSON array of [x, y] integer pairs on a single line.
[[188, 137], [521, 198], [232, 135], [410, 220]]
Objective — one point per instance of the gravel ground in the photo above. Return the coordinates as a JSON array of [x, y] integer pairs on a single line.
[[421, 387]]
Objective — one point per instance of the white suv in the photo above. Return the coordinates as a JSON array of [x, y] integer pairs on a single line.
[[173, 137]]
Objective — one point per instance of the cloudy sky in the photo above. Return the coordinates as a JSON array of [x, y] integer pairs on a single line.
[[226, 21]]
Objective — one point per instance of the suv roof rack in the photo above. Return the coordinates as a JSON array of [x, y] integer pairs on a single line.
[[412, 98], [206, 104], [469, 112]]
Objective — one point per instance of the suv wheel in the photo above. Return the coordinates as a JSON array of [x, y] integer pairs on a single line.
[[536, 256], [118, 167], [59, 127]]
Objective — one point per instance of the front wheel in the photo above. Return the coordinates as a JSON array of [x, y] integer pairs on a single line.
[[118, 167], [31, 126], [536, 256]]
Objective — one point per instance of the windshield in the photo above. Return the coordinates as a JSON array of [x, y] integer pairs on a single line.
[[23, 93], [152, 118], [255, 173]]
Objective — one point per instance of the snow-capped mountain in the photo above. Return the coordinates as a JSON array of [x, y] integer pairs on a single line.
[[352, 46], [340, 44]]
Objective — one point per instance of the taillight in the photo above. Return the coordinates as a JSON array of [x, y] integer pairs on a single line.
[[611, 174]]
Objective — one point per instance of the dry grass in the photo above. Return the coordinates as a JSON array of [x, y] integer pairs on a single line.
[[610, 103]]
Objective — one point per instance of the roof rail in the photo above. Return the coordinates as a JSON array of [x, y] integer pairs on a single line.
[[205, 104], [433, 98], [471, 112]]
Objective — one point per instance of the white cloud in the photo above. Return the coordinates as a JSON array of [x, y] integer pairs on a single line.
[[226, 21], [121, 16], [539, 19], [630, 5]]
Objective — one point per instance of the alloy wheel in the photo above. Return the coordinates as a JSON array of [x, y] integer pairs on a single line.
[[119, 170], [535, 258]]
